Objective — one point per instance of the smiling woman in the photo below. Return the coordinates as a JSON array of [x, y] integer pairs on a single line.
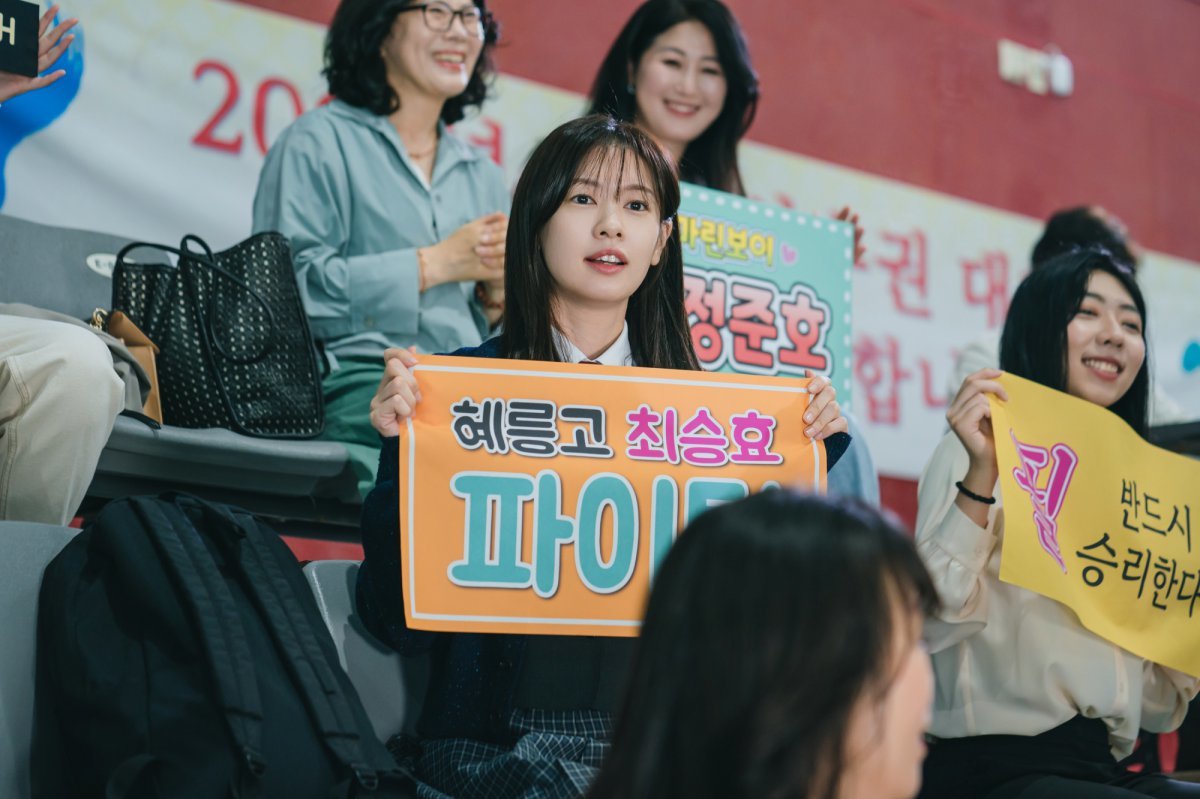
[[1081, 328], [680, 85], [681, 70], [1052, 716], [1105, 347], [397, 227]]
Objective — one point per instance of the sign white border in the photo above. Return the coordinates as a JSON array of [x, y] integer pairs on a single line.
[[408, 533]]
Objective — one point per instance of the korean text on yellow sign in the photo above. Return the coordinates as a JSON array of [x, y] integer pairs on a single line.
[[1100, 520], [538, 497]]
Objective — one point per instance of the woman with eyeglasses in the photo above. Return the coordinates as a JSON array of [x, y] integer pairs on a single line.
[[397, 227]]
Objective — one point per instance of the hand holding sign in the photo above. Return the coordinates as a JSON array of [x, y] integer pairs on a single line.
[[970, 417], [398, 394], [824, 415], [846, 215], [51, 45]]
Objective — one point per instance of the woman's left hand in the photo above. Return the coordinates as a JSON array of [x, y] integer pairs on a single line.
[[846, 215], [824, 415]]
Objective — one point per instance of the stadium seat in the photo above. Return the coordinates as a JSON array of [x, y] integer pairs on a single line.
[[309, 483], [391, 687], [27, 548]]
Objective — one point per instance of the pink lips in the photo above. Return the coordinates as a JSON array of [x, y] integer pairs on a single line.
[[607, 267], [450, 66], [1101, 374], [672, 109]]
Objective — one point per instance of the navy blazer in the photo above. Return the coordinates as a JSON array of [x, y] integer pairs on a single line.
[[473, 676]]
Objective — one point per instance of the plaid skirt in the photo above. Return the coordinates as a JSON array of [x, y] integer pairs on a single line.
[[556, 756]]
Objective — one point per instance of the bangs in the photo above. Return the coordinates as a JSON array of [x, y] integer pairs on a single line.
[[626, 161]]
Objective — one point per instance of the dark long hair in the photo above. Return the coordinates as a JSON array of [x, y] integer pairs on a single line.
[[710, 160], [658, 330], [1034, 342], [769, 620], [355, 70]]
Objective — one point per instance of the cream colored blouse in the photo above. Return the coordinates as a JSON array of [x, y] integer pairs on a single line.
[[1009, 661]]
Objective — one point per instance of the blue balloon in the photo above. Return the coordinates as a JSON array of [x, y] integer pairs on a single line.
[[23, 116], [1191, 357]]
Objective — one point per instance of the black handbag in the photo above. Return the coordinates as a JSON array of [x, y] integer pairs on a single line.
[[233, 339]]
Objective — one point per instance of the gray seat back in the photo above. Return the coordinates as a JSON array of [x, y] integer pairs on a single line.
[[27, 548], [391, 687], [69, 271], [63, 269]]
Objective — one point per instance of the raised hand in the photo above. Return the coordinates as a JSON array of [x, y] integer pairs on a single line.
[[51, 45], [970, 417], [846, 215]]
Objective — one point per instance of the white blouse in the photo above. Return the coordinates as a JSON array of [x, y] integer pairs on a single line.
[[1009, 661]]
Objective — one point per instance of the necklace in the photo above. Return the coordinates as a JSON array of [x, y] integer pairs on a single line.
[[417, 155]]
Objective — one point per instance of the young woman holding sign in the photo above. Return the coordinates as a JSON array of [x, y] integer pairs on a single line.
[[780, 656], [595, 274], [1030, 703]]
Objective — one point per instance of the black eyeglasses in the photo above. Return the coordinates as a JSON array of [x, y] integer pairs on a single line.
[[440, 17]]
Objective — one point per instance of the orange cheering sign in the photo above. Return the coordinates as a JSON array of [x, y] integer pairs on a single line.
[[538, 497]]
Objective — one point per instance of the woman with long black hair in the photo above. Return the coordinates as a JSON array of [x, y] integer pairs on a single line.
[[1030, 703], [681, 70], [781, 656]]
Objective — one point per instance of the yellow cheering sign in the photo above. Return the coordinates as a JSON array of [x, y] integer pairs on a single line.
[[1101, 521], [539, 497]]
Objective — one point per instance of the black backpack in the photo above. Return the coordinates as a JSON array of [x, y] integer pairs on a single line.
[[181, 655]]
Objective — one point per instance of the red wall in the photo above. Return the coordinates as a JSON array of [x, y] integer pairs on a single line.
[[909, 89]]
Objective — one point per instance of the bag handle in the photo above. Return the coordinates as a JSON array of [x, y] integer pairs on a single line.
[[188, 255], [208, 260], [192, 237]]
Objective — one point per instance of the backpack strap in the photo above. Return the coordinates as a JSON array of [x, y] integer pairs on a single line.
[[218, 625], [308, 661], [253, 550]]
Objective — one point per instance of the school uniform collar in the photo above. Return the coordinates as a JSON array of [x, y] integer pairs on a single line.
[[618, 353]]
